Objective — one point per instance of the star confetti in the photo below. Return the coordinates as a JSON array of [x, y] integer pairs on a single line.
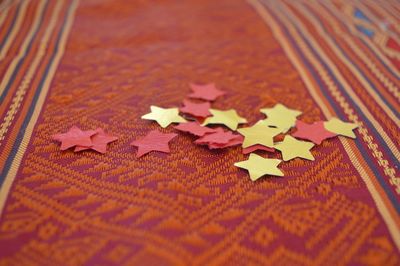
[[339, 127], [257, 147], [164, 116], [194, 128], [206, 92], [229, 118], [99, 142], [74, 137], [196, 109], [153, 141], [218, 137], [292, 148], [238, 140], [258, 166], [260, 133], [314, 132], [280, 117]]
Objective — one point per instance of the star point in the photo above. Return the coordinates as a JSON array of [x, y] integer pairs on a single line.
[[229, 118], [314, 132], [258, 166], [164, 116], [340, 127], [292, 148]]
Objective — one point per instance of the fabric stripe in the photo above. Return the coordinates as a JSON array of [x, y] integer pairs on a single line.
[[359, 73], [19, 96], [371, 53], [25, 133], [382, 207], [9, 76], [15, 27]]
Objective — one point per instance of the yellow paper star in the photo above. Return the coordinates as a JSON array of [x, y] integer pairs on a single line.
[[229, 118], [259, 133], [164, 116], [258, 166], [280, 116], [292, 148], [339, 127]]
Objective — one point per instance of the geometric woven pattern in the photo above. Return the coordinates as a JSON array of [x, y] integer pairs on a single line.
[[103, 63]]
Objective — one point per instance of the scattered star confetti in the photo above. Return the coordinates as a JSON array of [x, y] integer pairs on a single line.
[[280, 117], [292, 148], [164, 116], [153, 141], [196, 109], [206, 92], [314, 132], [99, 142], [259, 137], [229, 118], [194, 128], [260, 133], [339, 127], [258, 166], [74, 137]]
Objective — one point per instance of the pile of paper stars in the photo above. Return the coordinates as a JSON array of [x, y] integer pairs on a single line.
[[260, 136]]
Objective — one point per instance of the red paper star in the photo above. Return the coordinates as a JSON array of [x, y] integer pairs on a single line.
[[206, 92], [75, 137], [153, 141], [257, 147], [99, 142], [194, 128], [315, 132], [196, 109], [233, 142], [218, 137]]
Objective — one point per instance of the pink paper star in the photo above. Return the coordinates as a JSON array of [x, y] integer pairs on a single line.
[[206, 92], [315, 132], [99, 142], [74, 137], [218, 137], [194, 128], [153, 141], [233, 142], [196, 109], [257, 147]]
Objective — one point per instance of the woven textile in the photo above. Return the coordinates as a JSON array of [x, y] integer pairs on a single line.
[[103, 63]]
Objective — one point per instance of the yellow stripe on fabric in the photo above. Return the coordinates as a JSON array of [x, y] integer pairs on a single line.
[[24, 46], [382, 208], [26, 81], [371, 66], [38, 107], [341, 17], [15, 29], [336, 72]]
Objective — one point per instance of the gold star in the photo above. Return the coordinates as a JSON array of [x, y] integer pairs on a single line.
[[280, 116], [258, 166], [292, 148], [164, 116], [259, 133], [339, 127], [229, 118]]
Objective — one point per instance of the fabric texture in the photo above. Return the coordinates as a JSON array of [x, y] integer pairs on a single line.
[[103, 63]]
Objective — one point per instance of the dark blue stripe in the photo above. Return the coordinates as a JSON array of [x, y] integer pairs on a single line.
[[11, 27], [12, 78], [361, 72], [341, 115], [22, 130]]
